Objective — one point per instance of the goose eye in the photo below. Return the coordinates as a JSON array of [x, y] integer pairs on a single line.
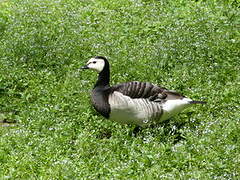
[[94, 62]]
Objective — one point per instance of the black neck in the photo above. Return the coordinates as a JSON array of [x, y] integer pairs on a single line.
[[103, 77]]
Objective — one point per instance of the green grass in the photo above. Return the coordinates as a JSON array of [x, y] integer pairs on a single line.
[[188, 46]]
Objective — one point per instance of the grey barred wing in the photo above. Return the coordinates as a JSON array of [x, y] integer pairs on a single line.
[[137, 89], [146, 90]]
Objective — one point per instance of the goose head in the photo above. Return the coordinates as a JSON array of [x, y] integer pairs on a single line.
[[97, 63]]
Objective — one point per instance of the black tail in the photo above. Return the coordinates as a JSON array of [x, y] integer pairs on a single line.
[[198, 102]]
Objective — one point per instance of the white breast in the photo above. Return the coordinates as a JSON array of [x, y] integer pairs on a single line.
[[133, 111]]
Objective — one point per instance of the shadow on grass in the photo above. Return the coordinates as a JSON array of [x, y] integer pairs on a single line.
[[6, 123], [7, 119], [172, 129], [104, 134]]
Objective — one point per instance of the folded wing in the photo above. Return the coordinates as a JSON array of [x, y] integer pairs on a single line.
[[146, 90]]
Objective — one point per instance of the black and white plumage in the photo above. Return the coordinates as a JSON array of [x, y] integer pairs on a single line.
[[139, 103]]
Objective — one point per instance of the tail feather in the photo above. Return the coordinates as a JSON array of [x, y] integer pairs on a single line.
[[198, 102]]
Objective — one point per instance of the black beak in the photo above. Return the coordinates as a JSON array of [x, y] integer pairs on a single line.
[[85, 67]]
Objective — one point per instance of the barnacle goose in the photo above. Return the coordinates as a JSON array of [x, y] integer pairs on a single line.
[[138, 103]]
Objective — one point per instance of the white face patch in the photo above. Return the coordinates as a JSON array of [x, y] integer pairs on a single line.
[[96, 64]]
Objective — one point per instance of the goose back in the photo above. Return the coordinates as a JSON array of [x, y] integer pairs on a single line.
[[136, 89]]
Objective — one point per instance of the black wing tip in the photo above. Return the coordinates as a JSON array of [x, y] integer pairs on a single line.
[[198, 102]]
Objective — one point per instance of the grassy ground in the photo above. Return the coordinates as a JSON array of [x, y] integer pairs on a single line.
[[188, 46]]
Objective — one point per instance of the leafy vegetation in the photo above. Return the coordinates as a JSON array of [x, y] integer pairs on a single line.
[[52, 131]]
